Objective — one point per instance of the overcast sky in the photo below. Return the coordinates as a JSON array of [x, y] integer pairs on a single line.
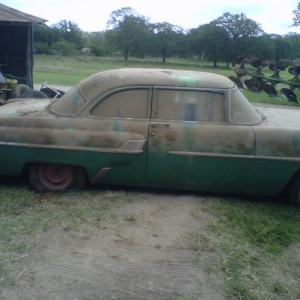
[[274, 16]]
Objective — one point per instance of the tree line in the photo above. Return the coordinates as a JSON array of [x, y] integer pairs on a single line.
[[131, 34]]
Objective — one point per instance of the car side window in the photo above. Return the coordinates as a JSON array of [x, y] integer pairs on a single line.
[[198, 106], [218, 108], [131, 103]]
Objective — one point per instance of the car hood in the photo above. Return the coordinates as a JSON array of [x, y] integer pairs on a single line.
[[281, 117], [24, 107]]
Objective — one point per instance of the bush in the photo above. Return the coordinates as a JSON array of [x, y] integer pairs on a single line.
[[97, 51], [41, 48], [65, 48]]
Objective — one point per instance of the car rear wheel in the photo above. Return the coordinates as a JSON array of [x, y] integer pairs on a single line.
[[56, 177], [294, 191]]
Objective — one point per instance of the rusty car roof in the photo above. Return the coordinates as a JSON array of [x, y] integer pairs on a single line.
[[89, 89], [106, 80]]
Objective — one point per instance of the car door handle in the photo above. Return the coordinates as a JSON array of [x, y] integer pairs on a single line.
[[160, 124]]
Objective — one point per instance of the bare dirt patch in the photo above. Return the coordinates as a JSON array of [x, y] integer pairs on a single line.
[[144, 253]]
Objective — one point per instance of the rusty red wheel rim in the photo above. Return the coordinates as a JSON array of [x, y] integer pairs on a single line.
[[56, 176]]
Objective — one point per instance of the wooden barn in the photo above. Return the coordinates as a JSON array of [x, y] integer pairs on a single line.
[[16, 44]]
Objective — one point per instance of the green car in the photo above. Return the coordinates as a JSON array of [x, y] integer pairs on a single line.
[[156, 128]]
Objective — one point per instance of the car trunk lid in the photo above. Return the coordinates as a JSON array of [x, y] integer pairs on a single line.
[[281, 117], [24, 107]]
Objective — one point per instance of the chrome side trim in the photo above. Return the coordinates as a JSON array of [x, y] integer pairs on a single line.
[[220, 155], [99, 175], [209, 154], [294, 159], [122, 150]]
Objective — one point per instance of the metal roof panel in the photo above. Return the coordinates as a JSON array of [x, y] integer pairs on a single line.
[[8, 14]]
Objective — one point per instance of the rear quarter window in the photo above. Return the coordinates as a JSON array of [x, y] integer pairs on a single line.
[[242, 111]]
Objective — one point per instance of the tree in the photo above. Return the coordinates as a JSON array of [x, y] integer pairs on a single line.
[[280, 47], [70, 32], [96, 43], [194, 36], [240, 29], [183, 47], [212, 41], [44, 37], [261, 47], [292, 41], [165, 38], [126, 30], [296, 18]]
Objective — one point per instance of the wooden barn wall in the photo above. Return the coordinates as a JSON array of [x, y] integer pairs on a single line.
[[16, 53]]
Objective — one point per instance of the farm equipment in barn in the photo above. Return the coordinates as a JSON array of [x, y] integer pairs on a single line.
[[9, 88]]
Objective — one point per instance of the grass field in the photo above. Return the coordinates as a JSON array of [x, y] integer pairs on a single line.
[[67, 71]]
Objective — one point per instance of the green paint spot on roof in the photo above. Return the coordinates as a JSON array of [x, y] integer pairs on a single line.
[[185, 80]]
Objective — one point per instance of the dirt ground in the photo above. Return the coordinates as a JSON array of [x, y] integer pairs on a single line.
[[146, 253]]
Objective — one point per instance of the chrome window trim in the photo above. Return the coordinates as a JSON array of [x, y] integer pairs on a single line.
[[73, 148]]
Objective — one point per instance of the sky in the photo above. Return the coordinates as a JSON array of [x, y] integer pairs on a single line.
[[92, 15]]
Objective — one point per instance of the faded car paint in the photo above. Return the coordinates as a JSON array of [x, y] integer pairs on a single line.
[[200, 154], [235, 149]]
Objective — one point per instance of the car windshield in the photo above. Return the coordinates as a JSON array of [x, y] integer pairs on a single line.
[[70, 103], [242, 111]]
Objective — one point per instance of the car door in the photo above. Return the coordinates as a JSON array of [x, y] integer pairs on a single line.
[[119, 123], [192, 146]]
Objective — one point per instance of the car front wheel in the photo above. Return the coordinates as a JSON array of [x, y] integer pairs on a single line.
[[56, 177]]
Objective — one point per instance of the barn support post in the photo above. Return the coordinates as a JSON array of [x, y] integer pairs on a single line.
[[29, 60]]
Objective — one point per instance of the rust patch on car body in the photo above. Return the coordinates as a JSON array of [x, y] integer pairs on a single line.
[[171, 136], [277, 142]]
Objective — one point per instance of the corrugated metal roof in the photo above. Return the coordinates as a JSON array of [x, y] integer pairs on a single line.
[[8, 14]]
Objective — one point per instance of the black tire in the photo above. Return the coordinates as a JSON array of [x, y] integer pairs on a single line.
[[19, 89], [56, 177], [33, 94], [294, 191]]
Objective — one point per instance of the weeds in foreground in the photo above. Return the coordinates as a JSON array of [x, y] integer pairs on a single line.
[[270, 226], [253, 242]]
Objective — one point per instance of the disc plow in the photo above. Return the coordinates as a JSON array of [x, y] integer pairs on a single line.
[[258, 82]]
